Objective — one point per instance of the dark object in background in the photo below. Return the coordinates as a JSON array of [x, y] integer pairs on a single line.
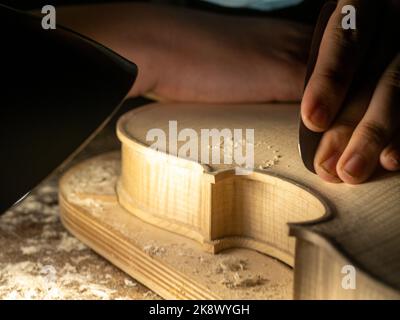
[[57, 89]]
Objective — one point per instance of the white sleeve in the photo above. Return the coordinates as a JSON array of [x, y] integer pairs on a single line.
[[264, 5]]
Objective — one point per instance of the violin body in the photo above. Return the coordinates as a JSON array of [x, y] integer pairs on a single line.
[[339, 241]]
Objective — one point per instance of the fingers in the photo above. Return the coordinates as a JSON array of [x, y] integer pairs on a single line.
[[390, 156], [375, 131], [339, 56], [330, 150], [335, 140]]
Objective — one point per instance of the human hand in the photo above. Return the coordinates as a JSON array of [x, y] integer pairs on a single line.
[[187, 55], [353, 95]]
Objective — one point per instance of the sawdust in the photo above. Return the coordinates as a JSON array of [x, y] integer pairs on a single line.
[[269, 163], [97, 177], [30, 250], [68, 243], [229, 146], [150, 295], [234, 273], [40, 260], [231, 264], [231, 269], [129, 283], [29, 280], [236, 281], [154, 250]]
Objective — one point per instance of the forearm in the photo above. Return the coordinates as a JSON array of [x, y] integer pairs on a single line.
[[184, 54]]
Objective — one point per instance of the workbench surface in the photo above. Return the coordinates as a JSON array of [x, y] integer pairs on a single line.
[[39, 259]]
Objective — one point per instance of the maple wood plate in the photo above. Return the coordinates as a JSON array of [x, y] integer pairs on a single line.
[[345, 242]]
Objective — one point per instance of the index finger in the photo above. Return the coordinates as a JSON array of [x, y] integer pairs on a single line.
[[339, 56]]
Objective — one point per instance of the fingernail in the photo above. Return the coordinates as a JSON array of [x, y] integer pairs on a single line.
[[319, 117], [329, 165], [355, 166], [394, 159]]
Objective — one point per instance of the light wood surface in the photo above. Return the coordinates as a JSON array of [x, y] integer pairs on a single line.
[[172, 265], [334, 224]]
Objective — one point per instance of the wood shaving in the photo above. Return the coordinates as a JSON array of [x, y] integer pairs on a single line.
[[154, 250], [236, 281]]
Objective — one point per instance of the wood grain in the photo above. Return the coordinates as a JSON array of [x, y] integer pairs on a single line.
[[171, 265], [334, 224]]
